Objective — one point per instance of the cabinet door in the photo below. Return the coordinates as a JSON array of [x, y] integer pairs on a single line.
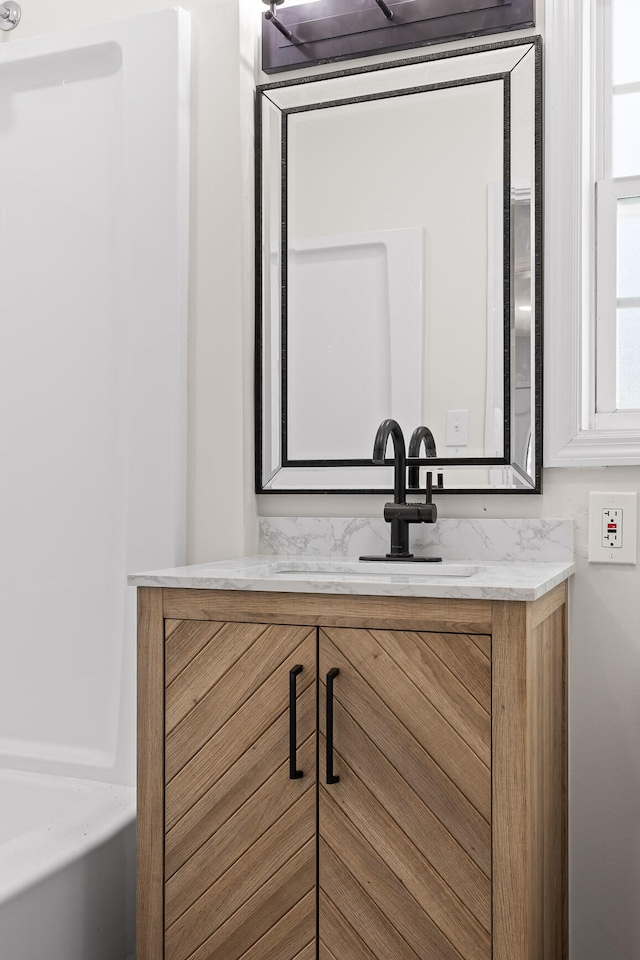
[[405, 836], [240, 842]]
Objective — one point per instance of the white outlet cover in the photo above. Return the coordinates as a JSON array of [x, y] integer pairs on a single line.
[[628, 503]]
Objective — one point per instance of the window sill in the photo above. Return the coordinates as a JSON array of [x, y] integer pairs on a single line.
[[598, 448]]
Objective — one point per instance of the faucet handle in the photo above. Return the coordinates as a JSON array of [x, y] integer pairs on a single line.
[[415, 486], [429, 513], [429, 500]]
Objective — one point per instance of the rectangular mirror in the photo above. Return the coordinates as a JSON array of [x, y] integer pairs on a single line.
[[399, 260]]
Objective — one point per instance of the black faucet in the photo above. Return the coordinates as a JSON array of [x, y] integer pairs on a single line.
[[400, 513], [420, 435], [391, 428]]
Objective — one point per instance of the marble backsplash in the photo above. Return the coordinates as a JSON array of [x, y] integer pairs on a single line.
[[549, 540]]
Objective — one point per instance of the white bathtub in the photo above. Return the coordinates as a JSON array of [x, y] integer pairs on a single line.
[[67, 868]]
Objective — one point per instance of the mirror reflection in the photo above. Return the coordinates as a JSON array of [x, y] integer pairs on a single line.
[[399, 191]]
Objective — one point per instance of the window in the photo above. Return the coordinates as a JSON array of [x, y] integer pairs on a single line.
[[617, 251], [592, 312]]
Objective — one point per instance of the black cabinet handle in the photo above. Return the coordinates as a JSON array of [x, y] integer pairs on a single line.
[[331, 776], [294, 773]]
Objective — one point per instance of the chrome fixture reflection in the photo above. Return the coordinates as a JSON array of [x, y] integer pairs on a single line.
[[10, 14], [271, 15]]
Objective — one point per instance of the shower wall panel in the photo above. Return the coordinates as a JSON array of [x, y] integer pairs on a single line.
[[93, 277]]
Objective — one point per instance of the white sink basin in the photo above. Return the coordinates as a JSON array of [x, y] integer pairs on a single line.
[[365, 570]]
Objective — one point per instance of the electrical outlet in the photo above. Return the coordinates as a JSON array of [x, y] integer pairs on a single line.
[[613, 527]]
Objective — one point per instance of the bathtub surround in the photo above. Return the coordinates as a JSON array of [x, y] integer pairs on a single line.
[[95, 441], [95, 148], [530, 541]]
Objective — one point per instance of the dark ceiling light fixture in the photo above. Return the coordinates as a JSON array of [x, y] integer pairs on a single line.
[[273, 18], [330, 30]]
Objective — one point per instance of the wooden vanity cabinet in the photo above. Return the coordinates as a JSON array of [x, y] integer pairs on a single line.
[[419, 813]]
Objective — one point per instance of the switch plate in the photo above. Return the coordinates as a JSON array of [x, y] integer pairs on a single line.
[[613, 527], [457, 428]]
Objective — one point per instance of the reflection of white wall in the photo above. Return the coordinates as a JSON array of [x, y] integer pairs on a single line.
[[386, 173], [333, 403], [358, 301]]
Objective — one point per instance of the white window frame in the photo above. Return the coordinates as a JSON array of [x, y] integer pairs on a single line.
[[608, 192], [575, 434]]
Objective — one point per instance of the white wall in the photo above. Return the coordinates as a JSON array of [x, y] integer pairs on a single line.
[[604, 748]]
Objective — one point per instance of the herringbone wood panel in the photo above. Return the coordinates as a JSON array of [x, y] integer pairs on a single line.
[[183, 641], [240, 855], [245, 778], [268, 908], [235, 713], [308, 953], [405, 851], [232, 666]]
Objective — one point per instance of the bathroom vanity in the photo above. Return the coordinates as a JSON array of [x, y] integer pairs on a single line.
[[352, 765]]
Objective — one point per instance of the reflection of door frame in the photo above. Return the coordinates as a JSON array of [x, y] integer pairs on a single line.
[[493, 431], [521, 190], [406, 264]]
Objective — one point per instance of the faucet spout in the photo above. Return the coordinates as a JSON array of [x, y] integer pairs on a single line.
[[392, 428], [419, 436]]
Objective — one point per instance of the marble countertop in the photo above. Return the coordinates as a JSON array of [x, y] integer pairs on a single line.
[[459, 579]]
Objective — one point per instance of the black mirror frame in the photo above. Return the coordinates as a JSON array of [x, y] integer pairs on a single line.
[[531, 485]]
